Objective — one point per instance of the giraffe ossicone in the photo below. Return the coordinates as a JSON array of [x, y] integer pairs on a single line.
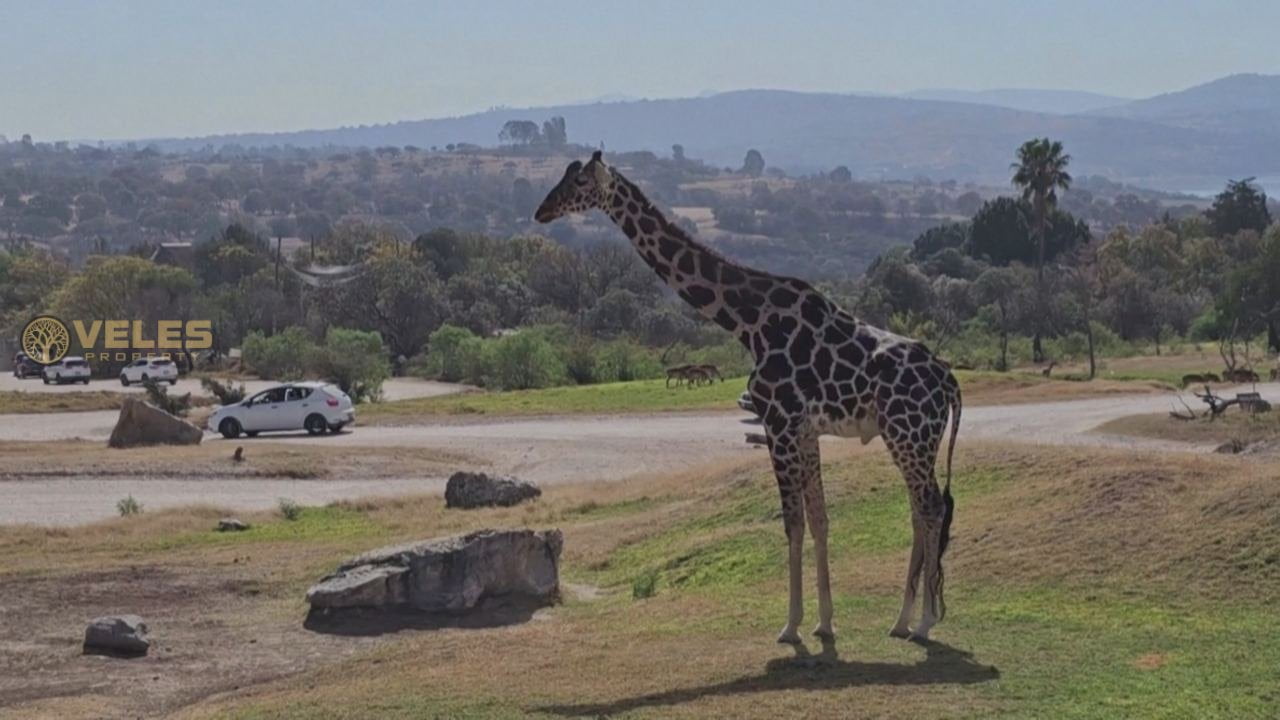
[[818, 371]]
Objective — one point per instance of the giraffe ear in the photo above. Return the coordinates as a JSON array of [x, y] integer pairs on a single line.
[[596, 156]]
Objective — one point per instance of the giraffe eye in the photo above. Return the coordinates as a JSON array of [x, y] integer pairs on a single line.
[[581, 180]]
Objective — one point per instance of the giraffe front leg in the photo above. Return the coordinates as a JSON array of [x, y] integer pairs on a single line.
[[815, 507], [902, 628], [788, 468]]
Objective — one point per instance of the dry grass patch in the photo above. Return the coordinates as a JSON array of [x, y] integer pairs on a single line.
[[20, 402], [1246, 428]]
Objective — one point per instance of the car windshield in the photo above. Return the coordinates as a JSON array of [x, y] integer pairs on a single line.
[[161, 362], [77, 363]]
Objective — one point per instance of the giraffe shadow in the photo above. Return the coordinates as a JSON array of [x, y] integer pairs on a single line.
[[942, 665]]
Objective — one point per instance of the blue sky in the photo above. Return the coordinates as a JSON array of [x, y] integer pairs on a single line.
[[88, 70]]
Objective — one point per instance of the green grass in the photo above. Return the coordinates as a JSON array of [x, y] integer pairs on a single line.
[[332, 522], [636, 396]]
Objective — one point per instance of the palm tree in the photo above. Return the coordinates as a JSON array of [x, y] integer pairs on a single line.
[[1041, 169]]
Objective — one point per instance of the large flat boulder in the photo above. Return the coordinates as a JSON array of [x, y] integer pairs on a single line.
[[451, 574], [472, 490], [141, 424]]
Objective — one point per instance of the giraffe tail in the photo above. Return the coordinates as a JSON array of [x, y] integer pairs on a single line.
[[948, 502]]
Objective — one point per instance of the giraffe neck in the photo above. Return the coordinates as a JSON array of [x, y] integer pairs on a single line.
[[734, 297]]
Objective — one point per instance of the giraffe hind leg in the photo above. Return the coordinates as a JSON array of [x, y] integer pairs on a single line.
[[902, 628], [815, 507]]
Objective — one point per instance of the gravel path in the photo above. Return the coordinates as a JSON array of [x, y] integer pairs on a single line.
[[547, 450]]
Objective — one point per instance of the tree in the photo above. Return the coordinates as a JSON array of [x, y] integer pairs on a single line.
[[841, 175], [677, 153], [519, 132], [998, 289], [1240, 207], [1041, 169], [554, 132], [753, 163]]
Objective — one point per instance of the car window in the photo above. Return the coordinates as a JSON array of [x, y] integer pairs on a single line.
[[276, 395], [140, 363], [76, 363], [161, 362], [298, 393]]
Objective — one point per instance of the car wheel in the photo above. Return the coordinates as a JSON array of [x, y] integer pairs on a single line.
[[230, 428], [145, 378], [124, 381], [316, 424], [173, 382], [251, 433], [44, 379], [85, 381], [337, 428]]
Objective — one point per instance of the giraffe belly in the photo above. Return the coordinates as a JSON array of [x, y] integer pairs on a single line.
[[865, 428]]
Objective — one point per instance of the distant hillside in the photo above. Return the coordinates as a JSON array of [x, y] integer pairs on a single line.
[[876, 137], [1237, 104], [1059, 102]]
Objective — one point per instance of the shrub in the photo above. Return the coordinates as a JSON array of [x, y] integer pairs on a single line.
[[354, 360], [127, 506], [158, 396], [623, 360], [645, 586], [524, 361], [227, 394], [453, 354], [281, 356], [289, 509]]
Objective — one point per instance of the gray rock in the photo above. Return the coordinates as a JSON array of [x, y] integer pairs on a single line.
[[472, 490], [142, 424], [450, 574], [232, 525], [124, 635]]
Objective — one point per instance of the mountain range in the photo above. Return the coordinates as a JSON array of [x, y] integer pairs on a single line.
[[1191, 139]]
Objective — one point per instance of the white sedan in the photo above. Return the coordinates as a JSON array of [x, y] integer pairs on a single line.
[[312, 406], [149, 368], [71, 369]]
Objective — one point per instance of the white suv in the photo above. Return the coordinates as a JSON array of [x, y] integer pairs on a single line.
[[311, 406], [71, 369], [149, 368]]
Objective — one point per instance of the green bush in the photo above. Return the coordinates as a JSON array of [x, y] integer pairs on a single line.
[[580, 361], [289, 509], [453, 354], [127, 506], [354, 360], [645, 586], [157, 395], [282, 356], [524, 361], [623, 360], [228, 394]]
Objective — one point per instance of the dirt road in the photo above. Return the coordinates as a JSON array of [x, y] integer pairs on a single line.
[[547, 450]]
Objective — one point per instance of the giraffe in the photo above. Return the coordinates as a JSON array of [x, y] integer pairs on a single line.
[[818, 371]]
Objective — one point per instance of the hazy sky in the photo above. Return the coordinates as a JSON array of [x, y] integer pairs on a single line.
[[87, 70]]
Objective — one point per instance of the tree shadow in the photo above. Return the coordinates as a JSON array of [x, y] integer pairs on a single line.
[[372, 622], [942, 665]]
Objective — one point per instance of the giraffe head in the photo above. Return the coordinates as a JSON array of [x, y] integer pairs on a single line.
[[583, 187]]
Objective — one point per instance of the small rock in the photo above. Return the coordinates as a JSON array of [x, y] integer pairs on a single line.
[[122, 635], [472, 490], [232, 525]]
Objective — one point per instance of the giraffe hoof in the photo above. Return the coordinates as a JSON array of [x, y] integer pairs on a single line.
[[824, 633], [900, 632], [789, 637], [919, 638]]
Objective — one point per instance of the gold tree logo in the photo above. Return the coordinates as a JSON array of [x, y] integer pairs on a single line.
[[45, 339]]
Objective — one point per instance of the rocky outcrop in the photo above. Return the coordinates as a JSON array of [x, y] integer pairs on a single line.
[[122, 635], [472, 490], [142, 424], [451, 574]]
